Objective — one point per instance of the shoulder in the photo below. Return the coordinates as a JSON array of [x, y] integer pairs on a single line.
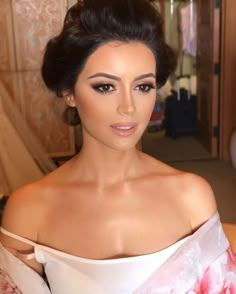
[[193, 194], [197, 198], [25, 210], [23, 216]]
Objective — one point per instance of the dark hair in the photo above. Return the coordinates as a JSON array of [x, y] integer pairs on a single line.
[[91, 23]]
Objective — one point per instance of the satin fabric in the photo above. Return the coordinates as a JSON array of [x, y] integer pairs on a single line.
[[200, 263]]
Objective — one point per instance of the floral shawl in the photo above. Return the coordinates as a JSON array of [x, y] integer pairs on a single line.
[[204, 264]]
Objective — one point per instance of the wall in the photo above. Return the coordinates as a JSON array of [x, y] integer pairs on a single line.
[[25, 27]]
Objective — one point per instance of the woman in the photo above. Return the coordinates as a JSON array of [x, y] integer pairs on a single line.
[[112, 219]]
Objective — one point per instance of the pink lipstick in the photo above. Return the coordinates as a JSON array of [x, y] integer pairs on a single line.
[[124, 129]]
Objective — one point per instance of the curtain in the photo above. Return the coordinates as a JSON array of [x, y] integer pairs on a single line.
[[22, 158]]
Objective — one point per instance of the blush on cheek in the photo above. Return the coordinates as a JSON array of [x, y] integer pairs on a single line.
[[151, 107], [90, 111]]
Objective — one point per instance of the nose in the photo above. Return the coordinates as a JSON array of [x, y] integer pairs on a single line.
[[126, 103]]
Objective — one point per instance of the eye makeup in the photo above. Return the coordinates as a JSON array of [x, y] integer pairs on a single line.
[[103, 88], [145, 87]]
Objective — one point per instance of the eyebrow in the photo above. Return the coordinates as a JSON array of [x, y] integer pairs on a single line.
[[109, 76], [147, 75]]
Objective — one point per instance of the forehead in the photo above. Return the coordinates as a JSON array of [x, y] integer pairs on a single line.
[[117, 56]]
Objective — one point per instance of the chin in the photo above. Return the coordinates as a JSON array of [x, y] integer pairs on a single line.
[[125, 145], [116, 142]]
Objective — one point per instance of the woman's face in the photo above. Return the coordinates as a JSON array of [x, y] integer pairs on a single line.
[[115, 94]]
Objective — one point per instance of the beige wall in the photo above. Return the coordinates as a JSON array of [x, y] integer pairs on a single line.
[[25, 27]]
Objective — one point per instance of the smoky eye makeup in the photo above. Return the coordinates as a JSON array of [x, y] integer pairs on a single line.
[[103, 87], [145, 87]]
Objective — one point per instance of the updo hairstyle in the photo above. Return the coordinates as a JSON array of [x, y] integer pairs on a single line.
[[91, 23]]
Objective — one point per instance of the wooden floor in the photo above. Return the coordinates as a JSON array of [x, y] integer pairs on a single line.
[[169, 150]]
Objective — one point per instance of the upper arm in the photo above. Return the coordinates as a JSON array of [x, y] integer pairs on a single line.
[[199, 200], [22, 217]]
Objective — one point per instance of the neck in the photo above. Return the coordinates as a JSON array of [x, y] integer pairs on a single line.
[[105, 165]]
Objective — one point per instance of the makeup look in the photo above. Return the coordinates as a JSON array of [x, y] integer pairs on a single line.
[[115, 94]]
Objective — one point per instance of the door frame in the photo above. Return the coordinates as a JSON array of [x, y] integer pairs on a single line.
[[208, 118], [228, 77]]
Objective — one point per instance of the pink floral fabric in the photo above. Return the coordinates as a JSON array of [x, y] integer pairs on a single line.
[[220, 277], [7, 286], [204, 264]]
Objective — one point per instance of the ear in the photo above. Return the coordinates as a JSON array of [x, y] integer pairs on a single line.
[[70, 100]]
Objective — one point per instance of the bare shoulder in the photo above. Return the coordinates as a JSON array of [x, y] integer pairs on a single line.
[[193, 193], [24, 211], [23, 215], [197, 198]]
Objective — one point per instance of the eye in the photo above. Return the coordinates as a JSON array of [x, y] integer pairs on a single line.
[[103, 88], [145, 87]]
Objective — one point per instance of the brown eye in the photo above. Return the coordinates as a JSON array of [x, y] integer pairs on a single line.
[[103, 88], [145, 88]]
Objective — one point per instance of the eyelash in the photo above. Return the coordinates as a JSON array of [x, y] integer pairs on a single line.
[[105, 88], [102, 88], [148, 87]]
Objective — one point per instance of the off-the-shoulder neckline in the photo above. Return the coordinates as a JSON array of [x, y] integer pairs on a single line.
[[58, 252]]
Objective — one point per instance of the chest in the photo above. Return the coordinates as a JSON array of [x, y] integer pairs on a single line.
[[115, 226]]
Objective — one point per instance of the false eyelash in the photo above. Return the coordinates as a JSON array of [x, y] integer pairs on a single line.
[[96, 86], [151, 85]]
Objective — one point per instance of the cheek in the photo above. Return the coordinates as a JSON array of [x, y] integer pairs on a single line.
[[147, 106], [90, 108]]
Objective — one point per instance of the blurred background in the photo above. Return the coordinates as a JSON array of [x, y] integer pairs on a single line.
[[201, 137]]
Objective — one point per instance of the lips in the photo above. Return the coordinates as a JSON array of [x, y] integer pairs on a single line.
[[124, 129]]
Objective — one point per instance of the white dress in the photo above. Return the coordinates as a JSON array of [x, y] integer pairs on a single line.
[[67, 273], [200, 263]]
